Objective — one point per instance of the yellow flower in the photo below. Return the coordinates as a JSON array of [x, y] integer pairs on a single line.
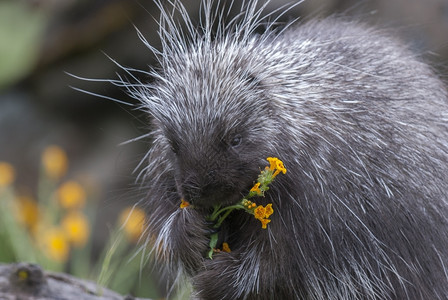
[[264, 223], [281, 167], [55, 244], [71, 195], [76, 228], [262, 214], [7, 174], [133, 220], [277, 165], [28, 212], [225, 247], [184, 203], [259, 212], [273, 163], [268, 210], [256, 188], [55, 162]]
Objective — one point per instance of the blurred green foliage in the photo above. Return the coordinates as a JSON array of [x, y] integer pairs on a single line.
[[21, 30], [40, 230]]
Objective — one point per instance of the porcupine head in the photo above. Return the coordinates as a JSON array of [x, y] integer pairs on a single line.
[[212, 119]]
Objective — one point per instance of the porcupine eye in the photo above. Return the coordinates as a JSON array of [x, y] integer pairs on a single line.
[[235, 141]]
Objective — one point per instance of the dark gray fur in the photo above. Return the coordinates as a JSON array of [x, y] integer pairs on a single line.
[[360, 123]]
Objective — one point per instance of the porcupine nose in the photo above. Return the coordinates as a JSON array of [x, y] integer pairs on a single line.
[[196, 194], [203, 190]]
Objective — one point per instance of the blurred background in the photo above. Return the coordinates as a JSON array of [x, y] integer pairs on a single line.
[[41, 41]]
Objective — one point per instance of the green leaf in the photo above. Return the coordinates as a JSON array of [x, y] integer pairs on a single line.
[[213, 242]]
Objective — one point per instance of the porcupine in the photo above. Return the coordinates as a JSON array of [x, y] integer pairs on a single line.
[[360, 123]]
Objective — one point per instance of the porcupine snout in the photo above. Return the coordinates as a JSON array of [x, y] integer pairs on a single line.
[[204, 182], [205, 190]]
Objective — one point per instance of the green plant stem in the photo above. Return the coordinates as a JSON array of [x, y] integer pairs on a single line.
[[115, 247], [219, 211], [221, 219], [212, 244]]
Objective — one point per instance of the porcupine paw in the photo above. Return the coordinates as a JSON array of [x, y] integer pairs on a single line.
[[191, 235]]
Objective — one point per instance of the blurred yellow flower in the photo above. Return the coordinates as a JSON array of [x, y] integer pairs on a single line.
[[28, 212], [133, 220], [7, 174], [71, 195], [55, 162], [55, 244], [76, 227]]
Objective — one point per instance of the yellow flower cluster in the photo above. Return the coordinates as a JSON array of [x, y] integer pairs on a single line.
[[73, 228], [266, 177], [57, 221], [260, 212], [54, 238], [276, 165], [50, 225], [72, 199]]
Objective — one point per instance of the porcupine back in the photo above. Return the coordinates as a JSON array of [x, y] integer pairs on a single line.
[[361, 125]]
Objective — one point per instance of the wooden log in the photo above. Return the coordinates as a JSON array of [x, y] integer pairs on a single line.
[[25, 281]]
